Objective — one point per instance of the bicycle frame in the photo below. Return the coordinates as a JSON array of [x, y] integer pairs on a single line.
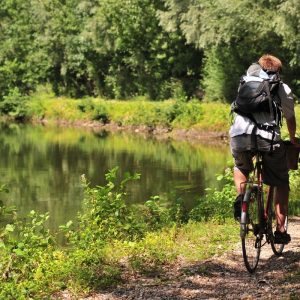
[[251, 184], [257, 218], [257, 183]]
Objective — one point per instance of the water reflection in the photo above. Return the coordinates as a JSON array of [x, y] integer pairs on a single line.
[[42, 167]]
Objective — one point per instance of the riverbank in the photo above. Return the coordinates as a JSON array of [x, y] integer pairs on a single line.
[[192, 135], [194, 120], [144, 252], [169, 119]]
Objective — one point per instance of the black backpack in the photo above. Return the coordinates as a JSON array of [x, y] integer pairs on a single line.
[[258, 96]]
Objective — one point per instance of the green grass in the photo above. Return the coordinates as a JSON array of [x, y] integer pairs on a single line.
[[202, 116], [168, 113], [190, 242]]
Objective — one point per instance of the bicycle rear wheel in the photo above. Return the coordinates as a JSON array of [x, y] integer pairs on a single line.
[[251, 233], [276, 248]]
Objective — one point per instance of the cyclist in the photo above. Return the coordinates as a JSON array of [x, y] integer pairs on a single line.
[[246, 137]]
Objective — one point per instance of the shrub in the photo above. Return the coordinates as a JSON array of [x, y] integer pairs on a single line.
[[216, 204], [105, 214], [14, 105], [100, 113], [294, 205], [24, 248]]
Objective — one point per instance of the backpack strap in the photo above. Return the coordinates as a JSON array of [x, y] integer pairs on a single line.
[[270, 128], [267, 84]]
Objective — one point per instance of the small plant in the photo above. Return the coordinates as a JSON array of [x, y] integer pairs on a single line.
[[155, 215], [86, 106], [105, 214], [100, 114], [216, 204], [24, 247]]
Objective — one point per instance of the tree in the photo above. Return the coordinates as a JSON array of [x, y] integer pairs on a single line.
[[22, 60], [143, 57], [232, 34]]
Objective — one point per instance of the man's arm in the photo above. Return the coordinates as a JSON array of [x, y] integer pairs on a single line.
[[291, 125]]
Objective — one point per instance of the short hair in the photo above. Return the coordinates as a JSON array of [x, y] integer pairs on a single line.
[[270, 63]]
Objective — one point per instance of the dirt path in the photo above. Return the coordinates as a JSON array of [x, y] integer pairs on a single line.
[[222, 277]]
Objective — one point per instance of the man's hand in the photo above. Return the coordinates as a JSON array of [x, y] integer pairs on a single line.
[[295, 141], [291, 125]]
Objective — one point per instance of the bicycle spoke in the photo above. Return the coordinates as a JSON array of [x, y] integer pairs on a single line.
[[250, 232], [272, 224], [277, 248]]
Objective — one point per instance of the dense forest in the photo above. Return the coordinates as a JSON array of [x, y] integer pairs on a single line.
[[121, 49]]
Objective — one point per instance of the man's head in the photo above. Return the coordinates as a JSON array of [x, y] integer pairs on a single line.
[[270, 63]]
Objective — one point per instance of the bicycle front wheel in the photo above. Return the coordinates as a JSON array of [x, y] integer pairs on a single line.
[[251, 235]]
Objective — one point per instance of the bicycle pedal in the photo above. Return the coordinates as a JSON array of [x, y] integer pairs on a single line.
[[256, 229]]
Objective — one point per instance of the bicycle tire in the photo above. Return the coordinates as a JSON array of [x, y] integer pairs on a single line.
[[276, 248], [251, 233]]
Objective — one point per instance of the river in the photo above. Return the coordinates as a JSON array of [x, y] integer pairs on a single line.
[[42, 167]]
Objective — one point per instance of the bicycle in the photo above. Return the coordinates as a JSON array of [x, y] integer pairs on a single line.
[[258, 221]]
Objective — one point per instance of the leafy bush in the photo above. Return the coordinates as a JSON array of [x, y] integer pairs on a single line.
[[100, 113], [97, 111], [188, 114], [105, 214], [294, 205], [14, 105], [155, 215], [24, 246], [86, 106], [216, 204]]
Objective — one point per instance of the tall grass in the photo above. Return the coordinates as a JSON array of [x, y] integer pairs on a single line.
[[168, 113]]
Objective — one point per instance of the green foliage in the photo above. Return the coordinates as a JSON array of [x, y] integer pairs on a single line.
[[216, 204], [155, 215], [233, 34], [84, 48], [187, 114], [153, 252], [24, 245], [108, 232], [169, 113], [105, 214], [294, 205], [22, 62], [96, 110], [14, 105], [143, 58], [221, 74]]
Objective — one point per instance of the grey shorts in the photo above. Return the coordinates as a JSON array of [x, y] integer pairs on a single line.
[[275, 170]]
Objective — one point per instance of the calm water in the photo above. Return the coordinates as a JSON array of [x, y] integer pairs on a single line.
[[42, 167]]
